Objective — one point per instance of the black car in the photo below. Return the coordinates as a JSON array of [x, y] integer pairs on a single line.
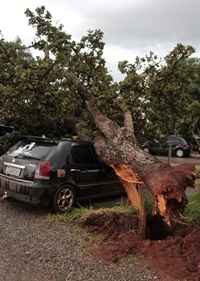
[[179, 146], [8, 137], [6, 130], [55, 172]]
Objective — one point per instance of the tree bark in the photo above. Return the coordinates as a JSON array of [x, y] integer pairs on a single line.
[[137, 170]]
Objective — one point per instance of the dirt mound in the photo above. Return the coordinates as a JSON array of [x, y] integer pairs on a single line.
[[118, 230], [109, 223], [177, 256]]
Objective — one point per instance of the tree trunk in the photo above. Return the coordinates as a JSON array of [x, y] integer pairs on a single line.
[[118, 147]]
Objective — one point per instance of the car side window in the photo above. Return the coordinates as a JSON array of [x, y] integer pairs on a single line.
[[82, 155], [163, 142]]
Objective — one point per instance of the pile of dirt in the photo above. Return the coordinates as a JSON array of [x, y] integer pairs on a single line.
[[109, 223], [177, 256], [115, 228]]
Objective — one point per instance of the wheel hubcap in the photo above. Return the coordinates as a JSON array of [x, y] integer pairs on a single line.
[[179, 153], [65, 199]]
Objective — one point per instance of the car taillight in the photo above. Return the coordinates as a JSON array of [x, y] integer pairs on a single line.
[[185, 146], [43, 170]]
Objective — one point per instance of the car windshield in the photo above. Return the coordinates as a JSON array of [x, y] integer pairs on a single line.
[[29, 149]]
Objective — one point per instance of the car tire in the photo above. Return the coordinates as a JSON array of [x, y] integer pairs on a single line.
[[64, 199], [179, 153]]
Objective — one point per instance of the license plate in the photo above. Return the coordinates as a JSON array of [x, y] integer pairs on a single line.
[[13, 171]]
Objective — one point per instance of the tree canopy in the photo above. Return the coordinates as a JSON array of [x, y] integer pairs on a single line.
[[44, 87]]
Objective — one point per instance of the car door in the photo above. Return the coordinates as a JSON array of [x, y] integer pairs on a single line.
[[164, 147], [92, 176], [108, 182], [84, 169], [154, 147]]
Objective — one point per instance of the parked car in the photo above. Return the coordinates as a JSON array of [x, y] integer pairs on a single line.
[[8, 137], [6, 130], [55, 172], [179, 146]]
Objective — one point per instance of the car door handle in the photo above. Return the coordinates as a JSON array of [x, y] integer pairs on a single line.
[[85, 171], [75, 170], [91, 171]]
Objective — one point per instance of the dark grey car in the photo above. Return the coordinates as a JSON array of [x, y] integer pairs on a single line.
[[55, 172], [179, 146]]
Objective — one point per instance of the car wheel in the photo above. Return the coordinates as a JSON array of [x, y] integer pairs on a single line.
[[179, 153], [146, 149], [64, 199]]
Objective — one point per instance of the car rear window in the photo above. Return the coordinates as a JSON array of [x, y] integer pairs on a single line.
[[182, 141], [176, 140], [31, 149]]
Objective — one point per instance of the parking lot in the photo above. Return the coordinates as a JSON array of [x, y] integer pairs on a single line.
[[193, 159], [33, 248]]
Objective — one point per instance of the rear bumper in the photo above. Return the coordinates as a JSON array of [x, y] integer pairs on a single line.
[[188, 152], [22, 190]]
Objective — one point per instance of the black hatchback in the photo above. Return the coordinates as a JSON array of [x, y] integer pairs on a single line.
[[179, 146], [55, 172]]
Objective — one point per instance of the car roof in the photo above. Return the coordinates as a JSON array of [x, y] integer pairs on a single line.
[[56, 140], [175, 137]]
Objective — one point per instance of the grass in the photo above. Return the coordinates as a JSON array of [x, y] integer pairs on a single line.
[[192, 210], [78, 212], [73, 215], [191, 213]]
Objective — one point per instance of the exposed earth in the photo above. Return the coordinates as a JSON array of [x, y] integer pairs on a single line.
[[175, 257]]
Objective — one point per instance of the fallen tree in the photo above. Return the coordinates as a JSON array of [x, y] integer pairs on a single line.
[[138, 170]]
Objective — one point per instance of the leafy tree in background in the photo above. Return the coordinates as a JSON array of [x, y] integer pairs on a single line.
[[159, 91], [44, 87], [53, 87]]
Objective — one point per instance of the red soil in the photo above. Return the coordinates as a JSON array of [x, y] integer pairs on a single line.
[[177, 257]]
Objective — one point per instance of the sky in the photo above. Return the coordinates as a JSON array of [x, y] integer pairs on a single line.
[[131, 27]]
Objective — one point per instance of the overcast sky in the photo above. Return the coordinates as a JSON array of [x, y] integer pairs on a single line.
[[131, 27]]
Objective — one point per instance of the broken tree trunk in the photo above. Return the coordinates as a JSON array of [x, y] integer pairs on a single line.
[[133, 187], [137, 170]]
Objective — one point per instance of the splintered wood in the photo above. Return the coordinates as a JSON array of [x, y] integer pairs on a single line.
[[126, 173], [133, 187]]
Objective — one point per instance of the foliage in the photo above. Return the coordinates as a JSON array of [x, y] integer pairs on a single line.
[[159, 91], [44, 87], [39, 94]]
